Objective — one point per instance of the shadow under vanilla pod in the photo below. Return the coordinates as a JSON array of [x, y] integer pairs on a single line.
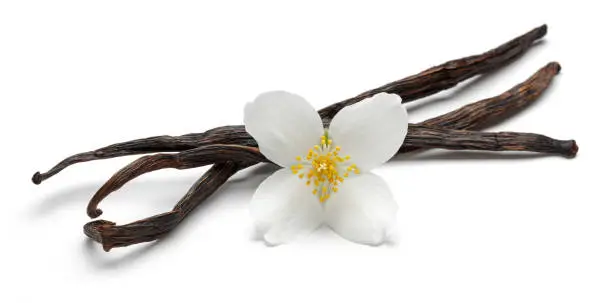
[[230, 148]]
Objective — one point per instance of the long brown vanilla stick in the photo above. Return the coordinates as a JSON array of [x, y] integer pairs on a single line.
[[449, 74], [496, 108], [153, 228], [410, 88], [423, 136], [472, 116], [419, 136]]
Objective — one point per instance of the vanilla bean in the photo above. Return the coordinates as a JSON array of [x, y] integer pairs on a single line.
[[111, 235], [449, 74], [423, 136], [428, 82], [496, 108], [219, 135], [419, 136]]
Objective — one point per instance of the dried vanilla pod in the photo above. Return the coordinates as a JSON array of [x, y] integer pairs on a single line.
[[230, 148]]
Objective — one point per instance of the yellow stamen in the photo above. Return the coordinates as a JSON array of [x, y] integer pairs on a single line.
[[326, 168]]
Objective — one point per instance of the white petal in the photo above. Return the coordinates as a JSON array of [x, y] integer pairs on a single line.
[[283, 208], [363, 210], [370, 131], [284, 125]]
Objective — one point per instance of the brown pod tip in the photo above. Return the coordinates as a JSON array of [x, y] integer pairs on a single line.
[[96, 229], [543, 29], [37, 178], [556, 65], [572, 147], [94, 213]]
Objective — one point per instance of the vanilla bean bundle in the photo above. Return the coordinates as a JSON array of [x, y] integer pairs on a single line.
[[230, 148]]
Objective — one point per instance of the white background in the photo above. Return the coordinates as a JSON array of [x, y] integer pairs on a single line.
[[473, 227]]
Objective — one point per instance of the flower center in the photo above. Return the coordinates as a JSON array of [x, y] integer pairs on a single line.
[[324, 168]]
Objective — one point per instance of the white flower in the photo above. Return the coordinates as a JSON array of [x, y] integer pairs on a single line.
[[325, 177]]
